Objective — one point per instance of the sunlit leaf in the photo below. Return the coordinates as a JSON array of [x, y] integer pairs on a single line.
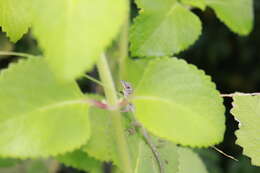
[[73, 34], [38, 113], [15, 17], [172, 93], [246, 110], [195, 3], [163, 28], [228, 10]]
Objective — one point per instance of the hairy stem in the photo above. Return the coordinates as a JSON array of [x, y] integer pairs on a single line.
[[111, 96]]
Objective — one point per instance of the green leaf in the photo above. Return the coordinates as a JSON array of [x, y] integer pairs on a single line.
[[135, 69], [38, 113], [227, 11], [190, 162], [81, 160], [195, 3], [165, 30], [246, 110], [74, 33], [172, 93], [15, 19], [102, 145]]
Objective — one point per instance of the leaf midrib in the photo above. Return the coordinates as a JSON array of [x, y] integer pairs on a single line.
[[164, 16], [45, 108], [171, 102]]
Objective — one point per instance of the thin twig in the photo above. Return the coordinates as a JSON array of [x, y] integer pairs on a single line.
[[218, 150], [93, 80], [240, 94]]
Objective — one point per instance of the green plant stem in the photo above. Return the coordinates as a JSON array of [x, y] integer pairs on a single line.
[[15, 54], [111, 96], [123, 47]]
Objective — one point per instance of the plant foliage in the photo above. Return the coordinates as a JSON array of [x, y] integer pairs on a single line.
[[44, 113]]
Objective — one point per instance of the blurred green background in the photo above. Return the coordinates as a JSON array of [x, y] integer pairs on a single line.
[[232, 61]]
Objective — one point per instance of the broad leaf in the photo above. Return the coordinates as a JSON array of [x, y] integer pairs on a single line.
[[172, 93], [38, 113], [15, 17], [246, 110], [73, 34], [228, 10], [195, 3], [190, 162], [163, 28], [81, 160], [102, 146]]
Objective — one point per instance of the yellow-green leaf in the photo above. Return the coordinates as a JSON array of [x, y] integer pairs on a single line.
[[163, 28], [176, 101], [236, 14], [39, 113], [74, 33], [195, 3], [246, 110], [15, 17]]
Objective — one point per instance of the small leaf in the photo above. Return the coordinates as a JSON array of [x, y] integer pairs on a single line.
[[165, 30], [15, 19], [227, 11], [73, 34], [195, 3], [246, 110], [172, 93], [190, 162], [81, 160], [38, 113]]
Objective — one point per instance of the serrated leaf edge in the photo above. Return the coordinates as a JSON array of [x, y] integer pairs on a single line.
[[169, 53], [238, 141], [207, 79], [66, 149]]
